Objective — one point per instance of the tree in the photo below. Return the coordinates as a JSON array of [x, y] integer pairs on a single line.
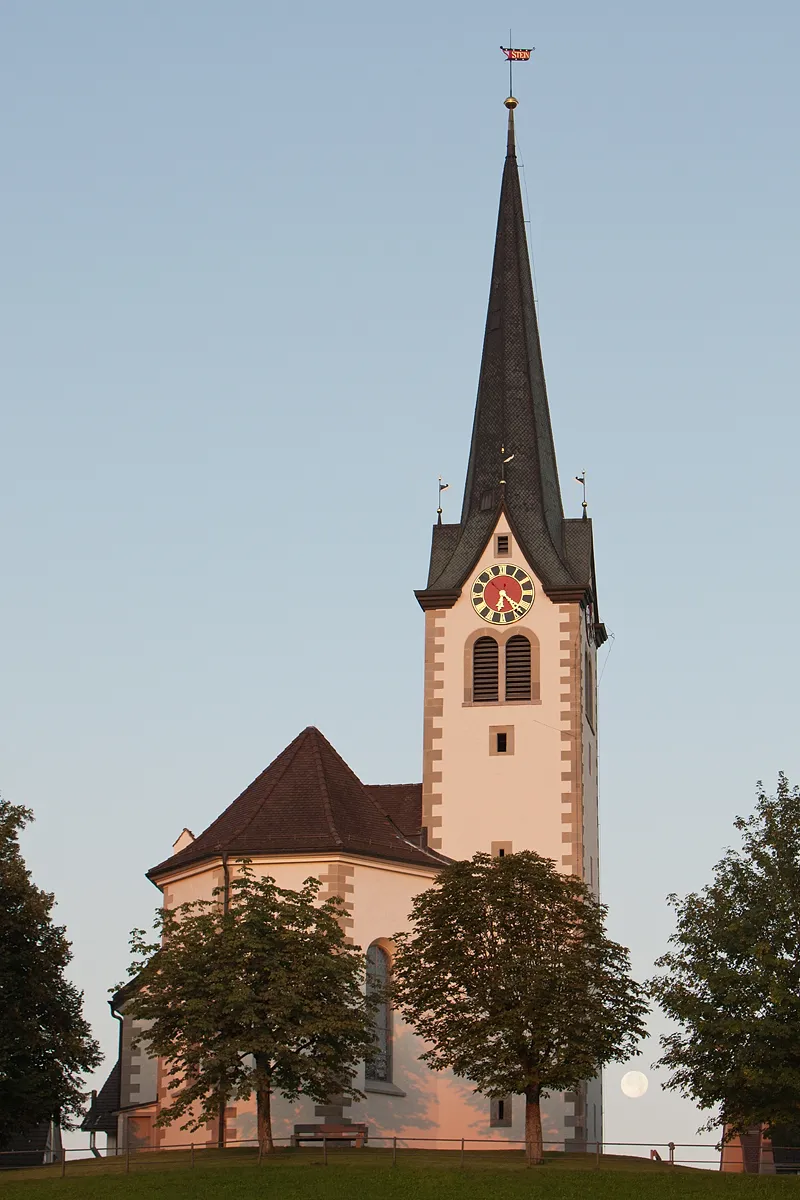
[[257, 994], [510, 976], [732, 978], [45, 1043]]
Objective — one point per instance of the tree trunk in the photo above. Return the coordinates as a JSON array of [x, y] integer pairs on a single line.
[[264, 1112], [533, 1128], [222, 1104]]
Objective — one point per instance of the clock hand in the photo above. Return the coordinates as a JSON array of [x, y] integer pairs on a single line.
[[516, 605]]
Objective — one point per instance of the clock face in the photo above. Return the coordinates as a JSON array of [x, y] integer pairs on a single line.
[[502, 594]]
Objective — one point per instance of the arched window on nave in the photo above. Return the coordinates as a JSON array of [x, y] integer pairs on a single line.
[[379, 1068]]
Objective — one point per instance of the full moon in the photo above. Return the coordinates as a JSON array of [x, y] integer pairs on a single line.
[[634, 1084]]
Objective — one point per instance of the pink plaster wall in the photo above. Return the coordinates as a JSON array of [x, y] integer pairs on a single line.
[[434, 1105], [493, 798]]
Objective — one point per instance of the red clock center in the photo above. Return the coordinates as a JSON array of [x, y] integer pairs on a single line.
[[502, 592]]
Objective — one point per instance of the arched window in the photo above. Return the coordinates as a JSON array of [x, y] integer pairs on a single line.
[[380, 1066], [518, 668], [485, 669]]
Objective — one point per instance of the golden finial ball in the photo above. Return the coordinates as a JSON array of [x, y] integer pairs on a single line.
[[511, 102]]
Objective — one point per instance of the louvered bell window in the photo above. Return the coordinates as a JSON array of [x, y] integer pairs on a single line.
[[518, 668], [485, 670]]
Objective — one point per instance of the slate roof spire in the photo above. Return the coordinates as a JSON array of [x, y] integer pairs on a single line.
[[512, 417]]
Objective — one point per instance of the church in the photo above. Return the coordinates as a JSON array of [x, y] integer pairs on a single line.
[[509, 756]]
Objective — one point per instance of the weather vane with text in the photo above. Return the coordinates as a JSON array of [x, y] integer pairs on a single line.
[[515, 55]]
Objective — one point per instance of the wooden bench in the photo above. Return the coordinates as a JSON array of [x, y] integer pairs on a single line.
[[357, 1134]]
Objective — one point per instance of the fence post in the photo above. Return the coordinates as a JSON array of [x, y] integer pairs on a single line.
[[127, 1159], [324, 1150], [192, 1154], [671, 1153], [394, 1151], [462, 1152], [597, 1154], [63, 1162]]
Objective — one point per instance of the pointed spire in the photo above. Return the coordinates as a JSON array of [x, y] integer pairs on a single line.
[[512, 459], [512, 408]]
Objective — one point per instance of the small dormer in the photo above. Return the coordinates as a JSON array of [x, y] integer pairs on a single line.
[[184, 839]]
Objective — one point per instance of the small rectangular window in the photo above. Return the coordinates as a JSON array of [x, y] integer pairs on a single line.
[[500, 1114], [502, 545], [501, 853], [501, 739]]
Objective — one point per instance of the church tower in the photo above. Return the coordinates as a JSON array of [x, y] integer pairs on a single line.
[[511, 623]]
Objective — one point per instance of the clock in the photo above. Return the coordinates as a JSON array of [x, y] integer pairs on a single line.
[[502, 594], [590, 621]]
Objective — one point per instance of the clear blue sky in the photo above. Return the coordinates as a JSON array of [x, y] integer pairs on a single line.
[[245, 261]]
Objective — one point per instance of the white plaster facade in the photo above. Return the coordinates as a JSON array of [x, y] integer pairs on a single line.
[[423, 1104]]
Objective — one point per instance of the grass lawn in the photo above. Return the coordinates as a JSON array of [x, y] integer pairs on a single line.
[[367, 1173]]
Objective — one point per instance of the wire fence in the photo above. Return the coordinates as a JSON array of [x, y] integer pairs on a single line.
[[391, 1151]]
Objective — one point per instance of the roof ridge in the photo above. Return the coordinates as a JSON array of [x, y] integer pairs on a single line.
[[370, 799], [377, 785], [326, 796], [278, 777]]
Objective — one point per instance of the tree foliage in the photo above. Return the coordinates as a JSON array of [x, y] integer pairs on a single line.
[[258, 994], [732, 978], [508, 973], [45, 1043]]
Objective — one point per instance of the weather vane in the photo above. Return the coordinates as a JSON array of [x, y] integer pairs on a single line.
[[514, 55], [503, 460], [581, 479], [442, 488]]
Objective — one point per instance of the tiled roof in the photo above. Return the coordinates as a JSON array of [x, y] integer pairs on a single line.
[[102, 1113], [402, 803], [307, 801], [511, 411]]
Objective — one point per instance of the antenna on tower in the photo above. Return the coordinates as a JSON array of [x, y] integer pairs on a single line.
[[510, 66], [581, 479], [442, 488]]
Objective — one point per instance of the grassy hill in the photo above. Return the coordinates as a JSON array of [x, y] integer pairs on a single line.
[[368, 1174]]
